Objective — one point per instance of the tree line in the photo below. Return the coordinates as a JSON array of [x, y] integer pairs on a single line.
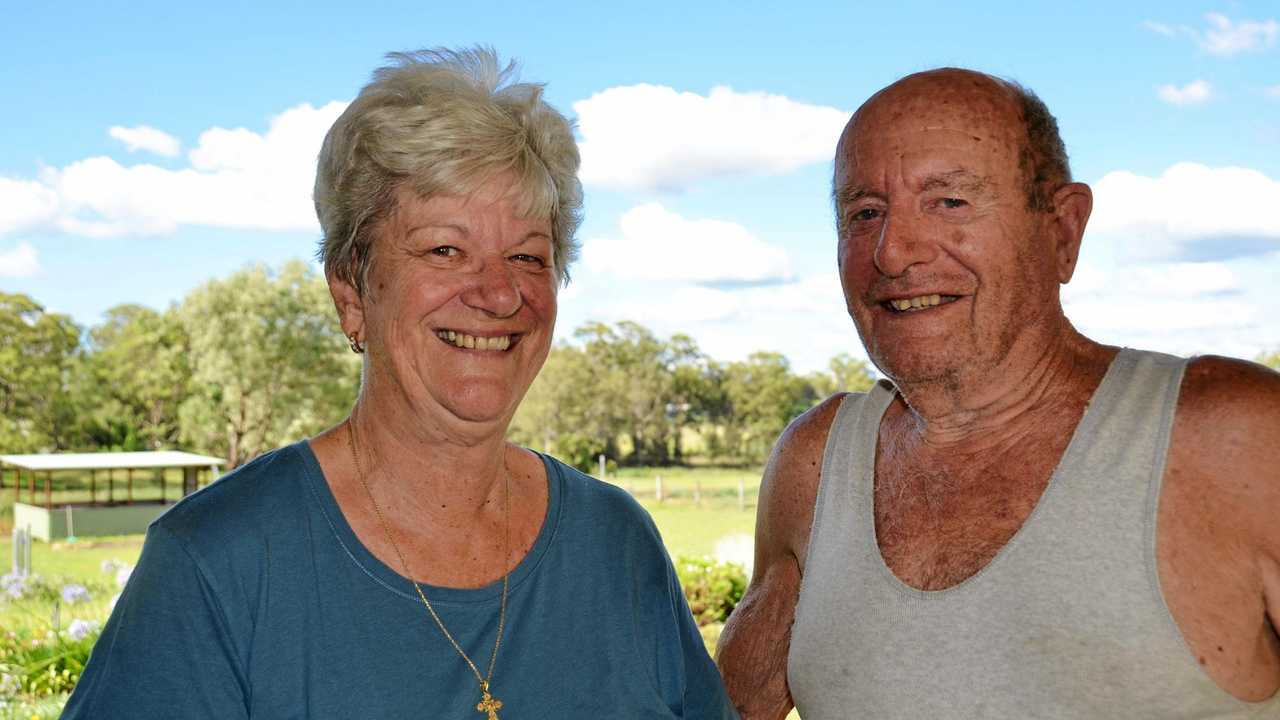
[[255, 360]]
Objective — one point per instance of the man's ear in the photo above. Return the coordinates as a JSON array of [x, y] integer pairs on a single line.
[[1072, 204], [349, 304]]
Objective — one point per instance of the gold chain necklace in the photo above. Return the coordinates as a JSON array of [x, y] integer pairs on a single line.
[[488, 704]]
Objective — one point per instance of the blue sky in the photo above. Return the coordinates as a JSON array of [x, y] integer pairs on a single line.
[[149, 147]]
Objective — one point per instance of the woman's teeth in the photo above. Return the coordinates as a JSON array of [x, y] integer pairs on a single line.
[[473, 342]]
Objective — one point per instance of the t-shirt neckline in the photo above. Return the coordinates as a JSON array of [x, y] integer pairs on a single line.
[[391, 579]]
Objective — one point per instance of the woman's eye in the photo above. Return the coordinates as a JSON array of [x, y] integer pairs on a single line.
[[526, 259], [446, 251]]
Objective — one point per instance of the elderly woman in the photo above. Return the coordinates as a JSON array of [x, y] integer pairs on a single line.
[[410, 562]]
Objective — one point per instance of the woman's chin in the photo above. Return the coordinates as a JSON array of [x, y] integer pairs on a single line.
[[482, 403]]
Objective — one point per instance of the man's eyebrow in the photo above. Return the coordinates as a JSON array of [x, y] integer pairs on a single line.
[[852, 193], [959, 179]]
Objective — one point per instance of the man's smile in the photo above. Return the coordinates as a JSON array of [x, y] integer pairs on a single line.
[[917, 303]]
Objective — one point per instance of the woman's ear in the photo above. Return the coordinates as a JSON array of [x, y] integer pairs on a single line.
[[349, 303]]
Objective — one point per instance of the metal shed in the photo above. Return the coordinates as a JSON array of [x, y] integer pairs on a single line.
[[111, 508]]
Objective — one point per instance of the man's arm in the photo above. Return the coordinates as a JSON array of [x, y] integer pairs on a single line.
[[752, 652], [1223, 493]]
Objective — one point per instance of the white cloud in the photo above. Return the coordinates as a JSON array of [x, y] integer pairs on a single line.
[[652, 137], [1160, 281], [145, 137], [1159, 28], [25, 204], [1192, 93], [657, 244], [21, 261], [1152, 316], [236, 179], [1226, 38], [805, 319], [1191, 211], [1180, 308], [1272, 91]]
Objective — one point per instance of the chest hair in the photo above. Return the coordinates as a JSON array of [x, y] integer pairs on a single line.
[[943, 516]]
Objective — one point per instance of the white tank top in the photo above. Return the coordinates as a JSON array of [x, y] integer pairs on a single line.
[[1067, 621]]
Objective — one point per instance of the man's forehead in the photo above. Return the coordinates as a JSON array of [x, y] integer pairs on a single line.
[[940, 117], [940, 100]]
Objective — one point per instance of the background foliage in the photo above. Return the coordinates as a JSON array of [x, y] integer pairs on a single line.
[[255, 360]]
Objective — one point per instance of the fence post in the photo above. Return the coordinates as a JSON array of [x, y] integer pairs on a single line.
[[22, 551], [657, 487], [742, 494], [601, 460], [697, 490]]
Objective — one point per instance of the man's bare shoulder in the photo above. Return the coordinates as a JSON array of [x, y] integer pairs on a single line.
[[1226, 437], [1231, 401], [790, 484]]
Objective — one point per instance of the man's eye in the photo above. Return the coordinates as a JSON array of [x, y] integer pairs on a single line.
[[952, 203], [865, 214], [446, 251]]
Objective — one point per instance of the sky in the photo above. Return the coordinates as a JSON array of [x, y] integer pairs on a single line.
[[149, 147]]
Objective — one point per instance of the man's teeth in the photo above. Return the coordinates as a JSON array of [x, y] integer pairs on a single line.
[[473, 342], [915, 303]]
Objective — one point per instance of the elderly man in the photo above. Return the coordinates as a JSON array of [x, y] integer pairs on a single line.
[[1025, 523]]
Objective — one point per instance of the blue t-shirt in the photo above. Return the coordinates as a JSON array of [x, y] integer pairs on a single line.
[[253, 598]]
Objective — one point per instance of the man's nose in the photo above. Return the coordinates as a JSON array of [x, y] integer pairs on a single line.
[[493, 290], [903, 243]]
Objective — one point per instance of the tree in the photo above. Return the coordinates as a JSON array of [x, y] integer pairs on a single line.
[[630, 364], [764, 396], [140, 364], [39, 356], [269, 361], [1271, 359], [697, 391], [844, 374], [563, 414]]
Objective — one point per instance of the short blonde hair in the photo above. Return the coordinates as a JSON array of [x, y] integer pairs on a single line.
[[443, 121]]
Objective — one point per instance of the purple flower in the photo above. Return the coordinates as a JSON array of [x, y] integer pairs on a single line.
[[13, 585], [74, 593], [80, 629]]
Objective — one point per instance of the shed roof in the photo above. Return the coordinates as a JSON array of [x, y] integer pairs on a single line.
[[110, 460]]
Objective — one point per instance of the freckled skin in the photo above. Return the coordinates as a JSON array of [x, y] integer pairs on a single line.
[[931, 198]]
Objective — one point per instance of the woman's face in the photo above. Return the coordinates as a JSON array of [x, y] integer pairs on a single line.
[[459, 307]]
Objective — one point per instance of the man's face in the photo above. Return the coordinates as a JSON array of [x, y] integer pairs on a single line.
[[943, 264]]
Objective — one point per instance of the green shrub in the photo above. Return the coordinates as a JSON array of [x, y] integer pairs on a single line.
[[42, 665], [712, 589]]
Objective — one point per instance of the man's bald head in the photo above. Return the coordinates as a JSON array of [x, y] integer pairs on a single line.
[[1042, 157]]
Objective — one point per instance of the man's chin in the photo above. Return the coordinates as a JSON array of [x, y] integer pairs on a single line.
[[917, 370]]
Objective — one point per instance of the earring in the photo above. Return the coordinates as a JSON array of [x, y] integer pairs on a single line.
[[356, 346]]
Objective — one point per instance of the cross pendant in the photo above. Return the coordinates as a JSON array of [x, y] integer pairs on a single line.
[[489, 704]]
